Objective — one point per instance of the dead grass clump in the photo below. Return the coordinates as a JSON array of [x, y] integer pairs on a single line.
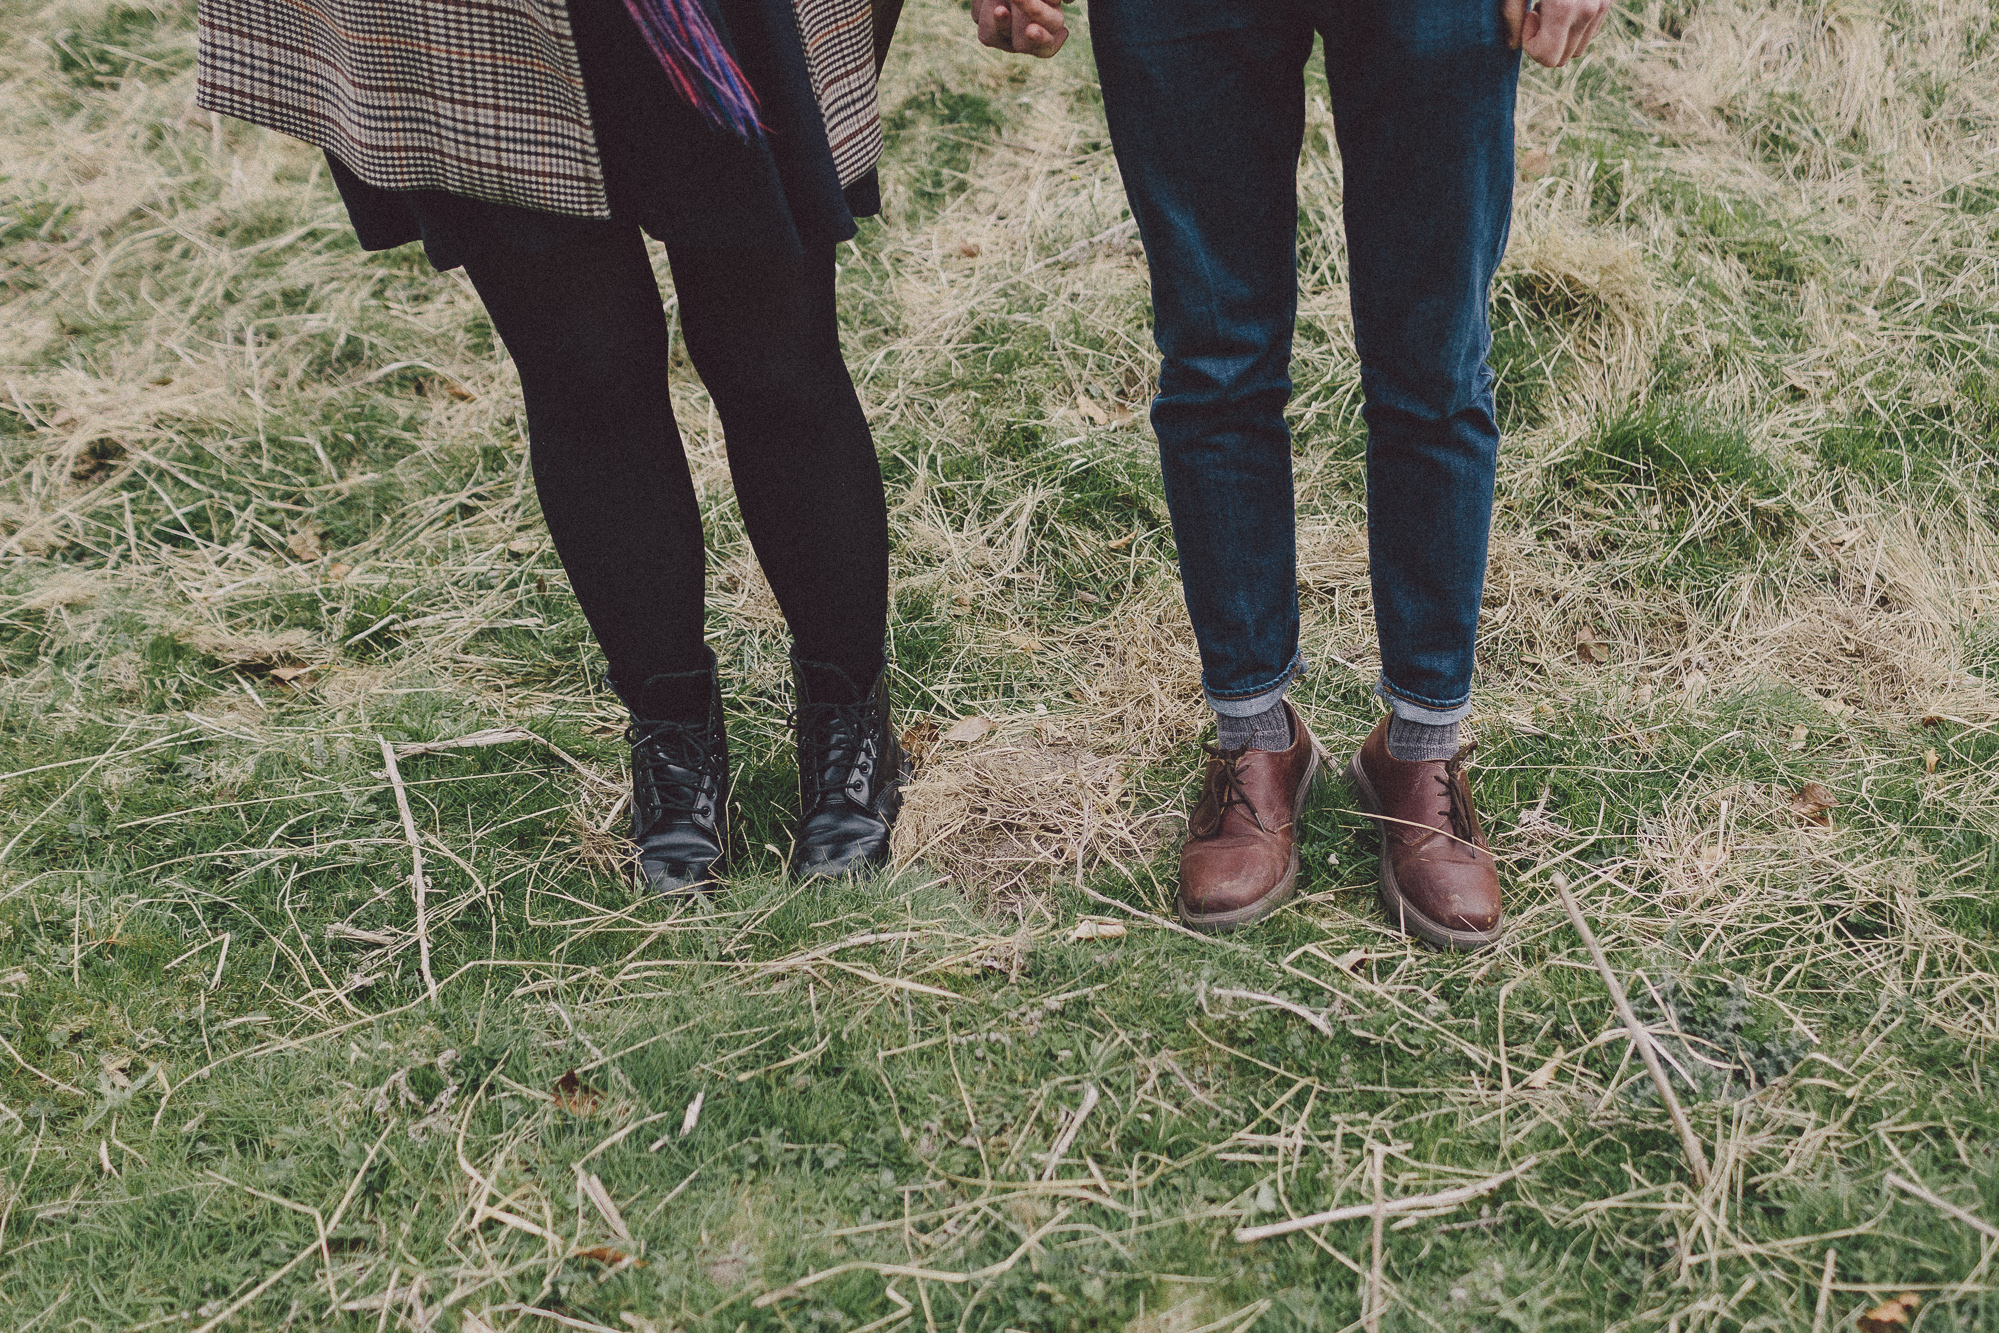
[[1003, 819], [251, 651]]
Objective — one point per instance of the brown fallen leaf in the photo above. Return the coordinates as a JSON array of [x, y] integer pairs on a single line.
[[968, 249], [1891, 1316], [285, 675], [1932, 720], [458, 391], [1930, 760], [610, 1256], [1545, 1075], [524, 546], [573, 1096], [1798, 734], [918, 741], [1534, 163], [305, 544], [969, 729], [1589, 648], [1089, 407], [338, 570], [1812, 802]]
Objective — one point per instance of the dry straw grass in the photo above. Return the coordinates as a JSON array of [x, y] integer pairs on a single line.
[[266, 501]]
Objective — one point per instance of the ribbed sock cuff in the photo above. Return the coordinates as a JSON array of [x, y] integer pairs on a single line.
[[1268, 730], [1414, 742]]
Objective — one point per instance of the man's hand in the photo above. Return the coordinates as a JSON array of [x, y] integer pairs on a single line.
[[1554, 32], [1031, 27]]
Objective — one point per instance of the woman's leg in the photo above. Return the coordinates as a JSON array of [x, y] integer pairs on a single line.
[[763, 331], [587, 332]]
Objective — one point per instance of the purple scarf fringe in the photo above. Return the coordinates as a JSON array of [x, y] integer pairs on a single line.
[[700, 67]]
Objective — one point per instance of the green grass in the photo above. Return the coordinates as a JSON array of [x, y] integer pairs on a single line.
[[266, 507]]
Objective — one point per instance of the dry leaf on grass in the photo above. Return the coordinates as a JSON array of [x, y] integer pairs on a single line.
[[1930, 761], [1545, 1075], [919, 740], [969, 729], [1589, 648], [968, 250], [305, 544], [609, 1256], [1798, 734], [1534, 164], [1097, 928], [1890, 1316], [1812, 802], [573, 1096]]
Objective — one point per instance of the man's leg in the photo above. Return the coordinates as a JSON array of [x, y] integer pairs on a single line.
[[1423, 95], [1206, 111]]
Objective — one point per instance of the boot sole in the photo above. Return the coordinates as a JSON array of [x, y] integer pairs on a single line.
[[1221, 923], [1406, 918]]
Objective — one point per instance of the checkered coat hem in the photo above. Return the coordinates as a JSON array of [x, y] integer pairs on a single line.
[[481, 98]]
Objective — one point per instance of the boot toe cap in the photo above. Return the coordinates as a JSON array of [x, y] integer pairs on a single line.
[[673, 876]]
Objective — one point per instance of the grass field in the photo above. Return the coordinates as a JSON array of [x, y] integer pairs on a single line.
[[265, 512]]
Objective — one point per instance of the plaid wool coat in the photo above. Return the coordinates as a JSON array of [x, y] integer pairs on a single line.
[[480, 98]]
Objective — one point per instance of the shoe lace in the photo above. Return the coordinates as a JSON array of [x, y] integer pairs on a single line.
[[832, 741], [1225, 784], [669, 767], [1457, 798]]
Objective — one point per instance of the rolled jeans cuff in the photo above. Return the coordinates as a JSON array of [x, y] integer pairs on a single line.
[[1429, 714], [1260, 699]]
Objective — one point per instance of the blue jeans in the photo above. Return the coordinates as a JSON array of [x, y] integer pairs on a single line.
[[1206, 107]]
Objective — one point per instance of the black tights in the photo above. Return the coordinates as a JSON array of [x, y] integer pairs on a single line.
[[588, 334]]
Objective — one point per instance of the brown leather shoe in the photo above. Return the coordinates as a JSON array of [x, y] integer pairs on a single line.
[[1438, 879], [1240, 861]]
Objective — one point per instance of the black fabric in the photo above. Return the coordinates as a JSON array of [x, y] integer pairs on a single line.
[[588, 334], [665, 169]]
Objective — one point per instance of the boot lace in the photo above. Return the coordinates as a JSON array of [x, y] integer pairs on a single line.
[[1225, 784], [669, 767], [835, 753]]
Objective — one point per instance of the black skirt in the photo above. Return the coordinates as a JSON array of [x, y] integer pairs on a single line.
[[665, 168]]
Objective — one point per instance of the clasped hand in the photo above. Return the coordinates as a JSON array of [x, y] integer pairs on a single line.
[[1552, 33]]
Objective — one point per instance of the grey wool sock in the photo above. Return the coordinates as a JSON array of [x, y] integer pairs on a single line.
[[1268, 730], [1416, 742]]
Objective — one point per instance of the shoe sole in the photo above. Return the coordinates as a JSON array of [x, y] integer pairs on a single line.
[[1406, 918], [1221, 923]]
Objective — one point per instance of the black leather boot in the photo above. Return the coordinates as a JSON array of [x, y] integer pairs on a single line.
[[850, 771], [680, 781]]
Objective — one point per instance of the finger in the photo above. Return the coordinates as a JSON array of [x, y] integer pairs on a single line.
[[1589, 34], [1512, 13], [1548, 39], [1579, 31], [993, 26]]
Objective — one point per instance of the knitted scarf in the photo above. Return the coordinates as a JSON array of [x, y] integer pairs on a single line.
[[700, 67]]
